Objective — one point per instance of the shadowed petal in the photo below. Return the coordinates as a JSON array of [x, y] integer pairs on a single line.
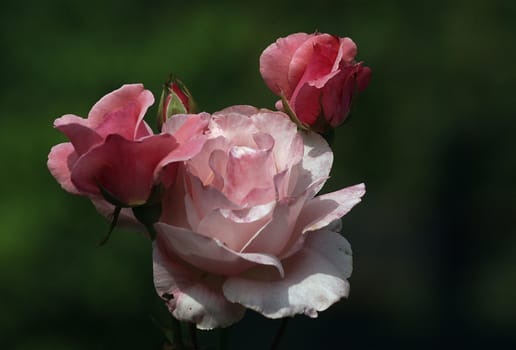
[[61, 159], [316, 163], [209, 254], [191, 295], [123, 168], [322, 210], [315, 278]]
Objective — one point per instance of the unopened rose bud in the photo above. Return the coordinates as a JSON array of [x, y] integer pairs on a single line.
[[175, 99], [316, 77]]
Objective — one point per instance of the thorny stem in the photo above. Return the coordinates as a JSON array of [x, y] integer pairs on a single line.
[[279, 334]]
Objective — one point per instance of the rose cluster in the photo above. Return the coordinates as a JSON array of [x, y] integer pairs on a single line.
[[229, 199]]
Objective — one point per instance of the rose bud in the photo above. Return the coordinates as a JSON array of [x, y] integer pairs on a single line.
[[316, 75], [175, 99]]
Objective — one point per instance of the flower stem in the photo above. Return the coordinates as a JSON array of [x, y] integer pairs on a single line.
[[279, 334], [193, 336], [223, 338]]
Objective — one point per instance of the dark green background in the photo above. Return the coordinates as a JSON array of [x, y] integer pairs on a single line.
[[432, 137]]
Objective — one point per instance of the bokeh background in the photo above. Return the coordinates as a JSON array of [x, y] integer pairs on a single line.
[[432, 137]]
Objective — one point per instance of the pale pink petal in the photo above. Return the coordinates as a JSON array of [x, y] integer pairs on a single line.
[[245, 110], [123, 168], [186, 126], [78, 132], [61, 159], [288, 145], [249, 169], [206, 198], [274, 237], [315, 278], [191, 295], [223, 226], [200, 164], [218, 164], [209, 254], [133, 99], [233, 126], [281, 232], [276, 60], [316, 163], [322, 210]]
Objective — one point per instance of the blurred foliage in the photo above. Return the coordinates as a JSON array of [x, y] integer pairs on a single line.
[[432, 137]]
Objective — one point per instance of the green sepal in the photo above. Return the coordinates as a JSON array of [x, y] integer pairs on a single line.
[[175, 106]]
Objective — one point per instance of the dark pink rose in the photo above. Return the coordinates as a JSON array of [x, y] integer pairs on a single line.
[[318, 76], [242, 227], [114, 155]]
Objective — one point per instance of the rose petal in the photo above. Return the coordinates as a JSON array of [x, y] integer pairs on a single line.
[[232, 126], [274, 237], [249, 169], [209, 254], [276, 60], [337, 96], [315, 278], [306, 65], [173, 209], [206, 198], [288, 145], [123, 168], [78, 132], [347, 52], [316, 163], [307, 103], [191, 295], [61, 159], [322, 210], [234, 234], [200, 164], [186, 126], [121, 111]]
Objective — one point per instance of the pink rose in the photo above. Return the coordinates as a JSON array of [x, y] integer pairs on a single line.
[[114, 155], [242, 228], [317, 74]]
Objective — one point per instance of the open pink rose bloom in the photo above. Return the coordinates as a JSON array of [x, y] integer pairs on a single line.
[[114, 151], [236, 220], [318, 76], [242, 228]]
